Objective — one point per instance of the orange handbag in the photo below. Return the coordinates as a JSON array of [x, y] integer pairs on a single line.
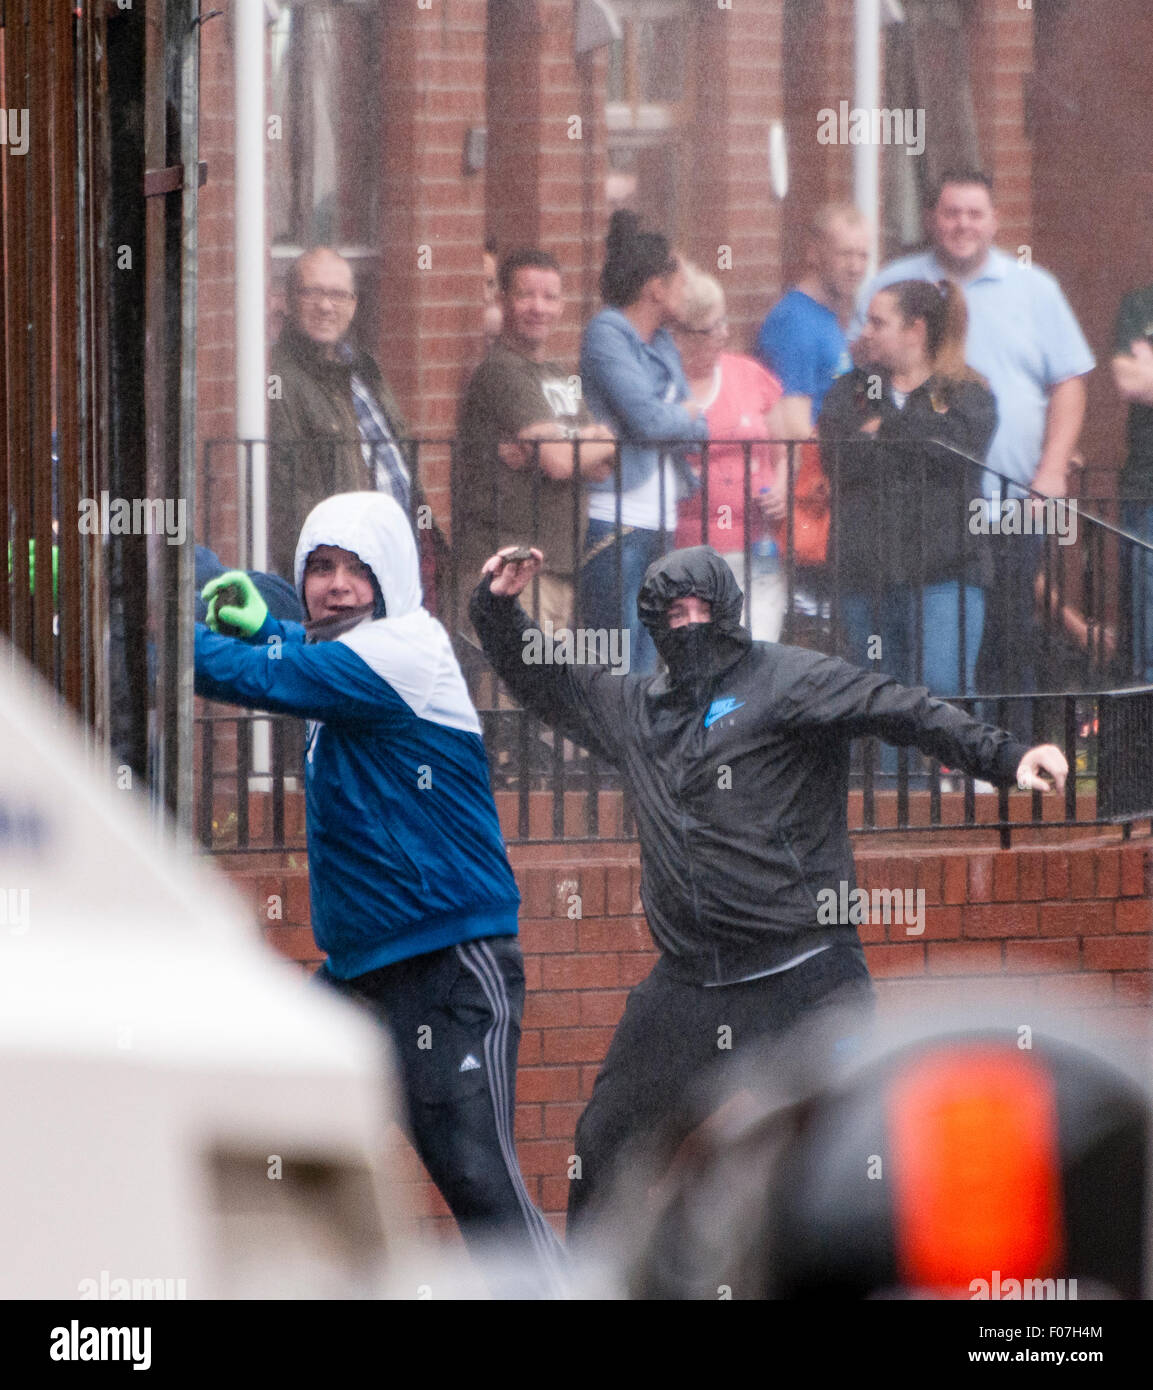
[[810, 510]]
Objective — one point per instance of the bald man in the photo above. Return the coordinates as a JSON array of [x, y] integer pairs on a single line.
[[331, 416]]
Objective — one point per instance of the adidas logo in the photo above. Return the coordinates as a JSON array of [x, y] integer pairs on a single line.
[[469, 1064]]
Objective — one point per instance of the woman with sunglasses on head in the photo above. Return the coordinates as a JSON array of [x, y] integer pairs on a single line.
[[739, 398]]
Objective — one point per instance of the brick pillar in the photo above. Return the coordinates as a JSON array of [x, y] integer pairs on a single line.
[[816, 73], [1001, 60], [433, 214], [546, 149], [838, 50], [571, 188], [216, 318], [736, 57], [514, 100], [591, 75]]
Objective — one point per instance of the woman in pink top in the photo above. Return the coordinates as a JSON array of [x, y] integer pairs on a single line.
[[739, 399]]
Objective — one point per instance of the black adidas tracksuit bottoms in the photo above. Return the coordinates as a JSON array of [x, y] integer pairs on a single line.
[[454, 1019]]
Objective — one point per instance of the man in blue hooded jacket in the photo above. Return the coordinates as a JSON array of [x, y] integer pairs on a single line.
[[412, 895]]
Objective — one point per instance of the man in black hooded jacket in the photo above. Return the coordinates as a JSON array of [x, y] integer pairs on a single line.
[[737, 761]]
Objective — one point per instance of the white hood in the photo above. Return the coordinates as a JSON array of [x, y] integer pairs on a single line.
[[372, 525], [407, 648]]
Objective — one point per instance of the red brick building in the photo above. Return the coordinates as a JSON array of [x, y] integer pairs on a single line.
[[386, 111]]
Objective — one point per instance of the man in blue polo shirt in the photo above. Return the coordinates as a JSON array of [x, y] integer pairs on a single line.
[[802, 339], [1024, 338]]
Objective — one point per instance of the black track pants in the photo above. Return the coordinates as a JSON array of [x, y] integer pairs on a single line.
[[454, 1019]]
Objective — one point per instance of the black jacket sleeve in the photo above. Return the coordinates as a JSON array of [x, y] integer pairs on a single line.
[[968, 423], [829, 693], [844, 411], [584, 703], [1131, 324]]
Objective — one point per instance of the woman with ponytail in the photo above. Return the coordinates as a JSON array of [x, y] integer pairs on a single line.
[[901, 494], [633, 381]]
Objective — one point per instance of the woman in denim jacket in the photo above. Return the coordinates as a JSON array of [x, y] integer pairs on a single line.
[[632, 380]]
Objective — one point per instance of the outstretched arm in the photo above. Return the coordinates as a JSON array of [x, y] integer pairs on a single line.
[[327, 681], [831, 693]]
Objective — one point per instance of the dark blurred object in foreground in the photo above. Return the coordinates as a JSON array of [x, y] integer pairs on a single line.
[[956, 1167]]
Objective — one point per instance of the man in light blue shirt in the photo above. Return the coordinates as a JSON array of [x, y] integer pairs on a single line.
[[1024, 338]]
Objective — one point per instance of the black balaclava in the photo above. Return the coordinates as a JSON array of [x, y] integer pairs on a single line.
[[696, 652]]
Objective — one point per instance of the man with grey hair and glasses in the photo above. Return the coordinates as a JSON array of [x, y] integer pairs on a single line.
[[332, 419]]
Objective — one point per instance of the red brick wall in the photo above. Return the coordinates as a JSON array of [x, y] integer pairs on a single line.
[[215, 339], [1073, 923], [1093, 185], [541, 185], [1001, 57], [736, 55]]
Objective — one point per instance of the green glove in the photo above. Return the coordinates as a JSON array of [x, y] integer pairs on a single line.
[[235, 608]]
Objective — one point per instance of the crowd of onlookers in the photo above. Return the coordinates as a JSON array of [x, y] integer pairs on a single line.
[[855, 440]]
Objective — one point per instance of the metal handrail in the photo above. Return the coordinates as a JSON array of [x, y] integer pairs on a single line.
[[525, 766]]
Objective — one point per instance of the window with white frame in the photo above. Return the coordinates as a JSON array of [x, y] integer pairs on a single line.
[[648, 100]]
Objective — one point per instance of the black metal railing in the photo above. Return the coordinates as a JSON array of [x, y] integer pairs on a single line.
[[891, 518]]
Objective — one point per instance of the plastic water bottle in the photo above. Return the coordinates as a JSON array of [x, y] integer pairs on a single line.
[[765, 553], [766, 557]]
